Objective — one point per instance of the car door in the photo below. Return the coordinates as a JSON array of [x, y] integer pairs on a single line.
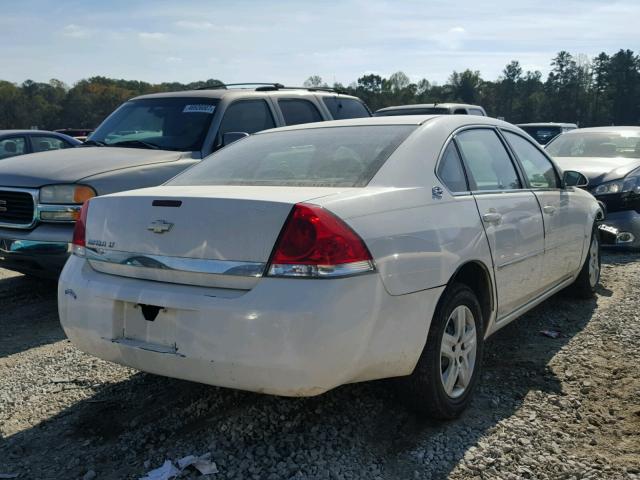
[[44, 143], [510, 215], [298, 110], [563, 221], [12, 146], [248, 116]]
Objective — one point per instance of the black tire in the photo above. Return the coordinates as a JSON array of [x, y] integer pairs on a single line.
[[424, 389], [585, 286]]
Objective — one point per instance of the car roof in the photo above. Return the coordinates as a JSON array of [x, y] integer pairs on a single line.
[[429, 105], [454, 121], [242, 92], [27, 132], [611, 129], [547, 124]]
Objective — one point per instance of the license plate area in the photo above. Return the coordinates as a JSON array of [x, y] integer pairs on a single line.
[[151, 324]]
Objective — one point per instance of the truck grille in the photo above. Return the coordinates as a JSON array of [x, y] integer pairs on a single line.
[[16, 208]]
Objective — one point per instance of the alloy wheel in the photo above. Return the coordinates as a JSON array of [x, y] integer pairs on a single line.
[[458, 351]]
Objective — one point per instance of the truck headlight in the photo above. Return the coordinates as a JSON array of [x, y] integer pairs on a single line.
[[62, 203], [66, 194]]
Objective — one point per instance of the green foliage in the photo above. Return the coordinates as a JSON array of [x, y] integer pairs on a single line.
[[601, 91]]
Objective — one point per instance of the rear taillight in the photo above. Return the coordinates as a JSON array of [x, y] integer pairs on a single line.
[[79, 232], [315, 243]]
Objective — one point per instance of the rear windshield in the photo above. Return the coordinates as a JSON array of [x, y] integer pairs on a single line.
[[318, 157], [343, 108], [412, 111], [169, 123], [543, 135], [596, 144]]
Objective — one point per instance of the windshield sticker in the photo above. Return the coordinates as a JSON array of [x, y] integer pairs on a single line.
[[202, 108]]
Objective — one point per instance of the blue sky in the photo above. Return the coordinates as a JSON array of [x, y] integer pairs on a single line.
[[286, 41]]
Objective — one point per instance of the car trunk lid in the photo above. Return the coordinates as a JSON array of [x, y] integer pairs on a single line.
[[218, 236]]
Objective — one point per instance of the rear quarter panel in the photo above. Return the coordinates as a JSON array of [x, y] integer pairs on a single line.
[[418, 240]]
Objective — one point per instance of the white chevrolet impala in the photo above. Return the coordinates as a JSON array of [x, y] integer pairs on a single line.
[[303, 258]]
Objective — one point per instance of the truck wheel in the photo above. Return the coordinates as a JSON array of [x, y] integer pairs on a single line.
[[443, 382], [587, 282]]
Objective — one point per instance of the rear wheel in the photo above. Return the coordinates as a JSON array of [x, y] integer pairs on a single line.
[[442, 384], [589, 277]]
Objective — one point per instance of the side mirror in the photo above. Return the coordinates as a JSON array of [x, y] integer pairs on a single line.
[[231, 137], [571, 178]]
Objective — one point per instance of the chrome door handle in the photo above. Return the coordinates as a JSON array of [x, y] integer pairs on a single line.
[[492, 217], [549, 209]]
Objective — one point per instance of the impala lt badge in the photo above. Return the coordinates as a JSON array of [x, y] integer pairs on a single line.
[[160, 226], [3, 205]]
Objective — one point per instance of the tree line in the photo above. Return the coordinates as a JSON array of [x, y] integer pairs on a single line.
[[604, 90]]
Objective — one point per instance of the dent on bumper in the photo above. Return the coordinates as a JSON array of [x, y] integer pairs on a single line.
[[285, 336]]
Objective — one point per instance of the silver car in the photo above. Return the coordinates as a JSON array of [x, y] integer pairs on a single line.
[[303, 258]]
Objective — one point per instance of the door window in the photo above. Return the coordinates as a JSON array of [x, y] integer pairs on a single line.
[[296, 112], [247, 116], [460, 111], [342, 108], [537, 167], [450, 170], [12, 146], [487, 161], [42, 143]]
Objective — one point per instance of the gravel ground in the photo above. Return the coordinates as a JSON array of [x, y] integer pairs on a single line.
[[564, 408]]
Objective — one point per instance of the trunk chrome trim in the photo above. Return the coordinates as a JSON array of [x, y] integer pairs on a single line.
[[144, 261], [178, 270]]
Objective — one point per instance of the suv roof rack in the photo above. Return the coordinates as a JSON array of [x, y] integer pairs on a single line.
[[265, 87]]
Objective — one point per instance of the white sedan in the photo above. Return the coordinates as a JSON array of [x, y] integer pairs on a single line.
[[306, 257]]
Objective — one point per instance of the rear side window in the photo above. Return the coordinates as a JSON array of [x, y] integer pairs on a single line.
[[248, 116], [41, 143], [313, 157], [296, 112], [537, 167], [12, 146], [476, 111], [450, 170], [487, 161], [343, 108]]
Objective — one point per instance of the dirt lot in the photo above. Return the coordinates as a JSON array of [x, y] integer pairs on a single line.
[[548, 408]]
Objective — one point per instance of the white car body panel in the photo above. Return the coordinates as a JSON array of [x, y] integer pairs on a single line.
[[285, 336], [292, 336]]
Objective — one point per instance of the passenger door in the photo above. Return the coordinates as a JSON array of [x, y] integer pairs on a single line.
[[12, 146], [510, 214], [563, 224], [249, 116], [296, 111], [44, 143]]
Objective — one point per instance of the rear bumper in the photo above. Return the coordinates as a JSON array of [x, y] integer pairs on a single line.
[[287, 337], [42, 251], [625, 222]]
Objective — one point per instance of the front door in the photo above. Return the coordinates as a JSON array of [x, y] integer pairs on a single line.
[[564, 229], [510, 214]]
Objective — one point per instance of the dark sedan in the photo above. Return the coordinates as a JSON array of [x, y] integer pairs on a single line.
[[610, 159], [21, 142]]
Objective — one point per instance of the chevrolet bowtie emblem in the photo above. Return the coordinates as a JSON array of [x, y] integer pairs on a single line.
[[160, 226], [3, 205]]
